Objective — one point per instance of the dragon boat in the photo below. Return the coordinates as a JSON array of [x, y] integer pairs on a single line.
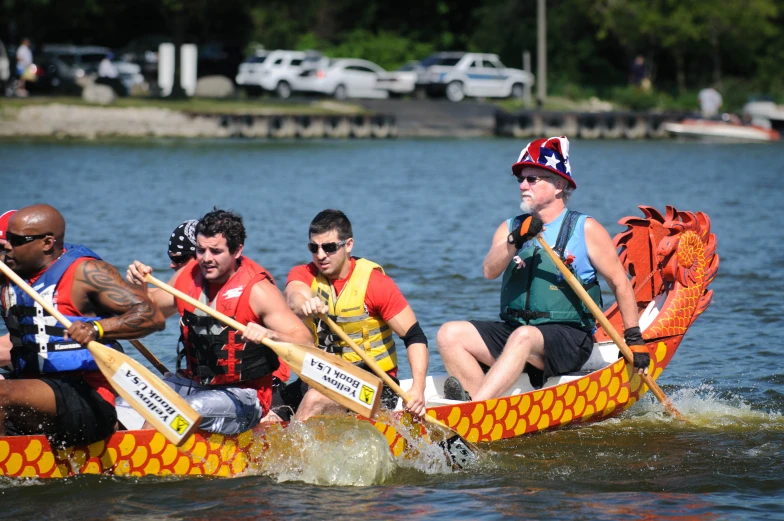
[[671, 259]]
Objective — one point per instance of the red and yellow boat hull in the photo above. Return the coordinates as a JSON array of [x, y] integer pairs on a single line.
[[672, 258]]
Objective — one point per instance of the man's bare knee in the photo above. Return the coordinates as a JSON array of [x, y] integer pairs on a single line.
[[520, 338], [448, 337]]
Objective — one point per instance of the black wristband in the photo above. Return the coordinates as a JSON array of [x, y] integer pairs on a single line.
[[633, 337]]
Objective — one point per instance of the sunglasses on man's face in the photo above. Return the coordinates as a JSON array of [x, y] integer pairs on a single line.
[[20, 240], [532, 179], [328, 247]]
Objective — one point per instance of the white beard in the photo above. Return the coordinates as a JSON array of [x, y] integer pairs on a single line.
[[527, 207]]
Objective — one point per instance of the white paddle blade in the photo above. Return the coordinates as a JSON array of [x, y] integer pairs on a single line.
[[163, 408], [360, 393]]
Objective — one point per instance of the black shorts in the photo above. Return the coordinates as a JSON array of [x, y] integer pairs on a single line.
[[566, 347], [83, 416]]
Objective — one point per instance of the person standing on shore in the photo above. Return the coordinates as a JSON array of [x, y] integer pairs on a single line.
[[710, 102], [24, 59]]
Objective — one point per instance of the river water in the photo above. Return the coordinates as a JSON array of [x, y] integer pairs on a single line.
[[426, 210]]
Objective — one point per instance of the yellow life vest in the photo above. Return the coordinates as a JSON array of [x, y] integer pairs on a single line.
[[350, 314]]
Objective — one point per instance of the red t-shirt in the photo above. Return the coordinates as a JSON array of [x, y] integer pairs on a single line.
[[382, 297], [65, 305]]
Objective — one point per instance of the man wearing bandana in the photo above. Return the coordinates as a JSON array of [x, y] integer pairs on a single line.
[[182, 244]]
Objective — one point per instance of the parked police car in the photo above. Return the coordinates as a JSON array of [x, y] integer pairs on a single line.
[[461, 74]]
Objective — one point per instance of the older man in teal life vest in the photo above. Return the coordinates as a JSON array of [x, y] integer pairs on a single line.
[[544, 328]]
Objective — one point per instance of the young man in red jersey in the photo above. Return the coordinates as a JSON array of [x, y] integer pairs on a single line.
[[364, 302]]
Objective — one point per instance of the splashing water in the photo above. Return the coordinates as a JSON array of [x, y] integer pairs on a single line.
[[332, 450], [425, 453], [706, 408]]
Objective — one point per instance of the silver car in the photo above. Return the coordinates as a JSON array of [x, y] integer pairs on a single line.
[[353, 78]]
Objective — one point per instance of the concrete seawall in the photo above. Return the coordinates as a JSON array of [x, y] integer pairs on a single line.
[[585, 125], [76, 121], [380, 119]]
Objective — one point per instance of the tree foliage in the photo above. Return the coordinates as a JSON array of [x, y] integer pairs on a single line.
[[687, 43]]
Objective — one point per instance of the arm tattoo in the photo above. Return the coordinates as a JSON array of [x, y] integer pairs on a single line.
[[136, 314]]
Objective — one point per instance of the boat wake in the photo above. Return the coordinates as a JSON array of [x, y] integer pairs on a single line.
[[706, 407]]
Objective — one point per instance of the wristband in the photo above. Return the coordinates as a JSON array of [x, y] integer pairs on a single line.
[[98, 330], [632, 336]]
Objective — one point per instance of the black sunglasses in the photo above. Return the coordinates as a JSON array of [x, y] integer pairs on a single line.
[[328, 247], [19, 240], [532, 179]]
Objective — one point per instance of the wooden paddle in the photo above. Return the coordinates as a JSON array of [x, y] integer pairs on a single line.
[[608, 328], [335, 378], [460, 455], [149, 356], [164, 409]]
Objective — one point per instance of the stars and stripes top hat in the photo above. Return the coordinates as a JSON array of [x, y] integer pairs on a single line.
[[548, 153]]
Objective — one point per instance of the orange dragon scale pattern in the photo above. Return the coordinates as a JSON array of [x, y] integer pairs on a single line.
[[670, 258]]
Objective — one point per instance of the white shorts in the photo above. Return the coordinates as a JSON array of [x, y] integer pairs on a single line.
[[223, 409]]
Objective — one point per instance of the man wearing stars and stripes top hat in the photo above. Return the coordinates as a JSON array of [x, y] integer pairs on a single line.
[[544, 329]]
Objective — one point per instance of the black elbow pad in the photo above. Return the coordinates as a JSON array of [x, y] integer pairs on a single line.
[[414, 335]]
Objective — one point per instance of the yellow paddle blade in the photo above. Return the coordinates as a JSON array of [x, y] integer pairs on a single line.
[[146, 393], [163, 408]]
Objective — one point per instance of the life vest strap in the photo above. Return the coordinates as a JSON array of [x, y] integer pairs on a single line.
[[22, 311], [32, 329], [526, 314]]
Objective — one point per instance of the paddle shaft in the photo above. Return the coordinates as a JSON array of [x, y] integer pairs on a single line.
[[376, 369], [149, 356], [164, 409], [301, 359], [608, 328]]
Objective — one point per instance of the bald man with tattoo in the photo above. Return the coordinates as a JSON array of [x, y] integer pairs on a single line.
[[56, 388]]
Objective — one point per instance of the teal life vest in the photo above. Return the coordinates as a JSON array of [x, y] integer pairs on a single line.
[[537, 293]]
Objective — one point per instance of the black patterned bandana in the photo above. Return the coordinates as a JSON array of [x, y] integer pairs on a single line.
[[183, 240]]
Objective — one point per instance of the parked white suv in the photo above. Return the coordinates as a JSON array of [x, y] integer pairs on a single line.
[[458, 75], [275, 71]]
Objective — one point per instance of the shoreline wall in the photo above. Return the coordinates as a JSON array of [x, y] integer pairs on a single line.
[[75, 121]]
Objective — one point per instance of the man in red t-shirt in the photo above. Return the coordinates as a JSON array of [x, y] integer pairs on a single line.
[[364, 302], [57, 389]]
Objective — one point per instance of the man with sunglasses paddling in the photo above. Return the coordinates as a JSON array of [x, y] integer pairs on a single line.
[[227, 377], [364, 302], [56, 388], [545, 329]]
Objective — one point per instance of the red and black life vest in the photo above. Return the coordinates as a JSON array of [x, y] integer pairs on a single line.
[[215, 353]]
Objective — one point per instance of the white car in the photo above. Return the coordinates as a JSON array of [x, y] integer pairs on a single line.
[[353, 78], [275, 71], [458, 75]]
